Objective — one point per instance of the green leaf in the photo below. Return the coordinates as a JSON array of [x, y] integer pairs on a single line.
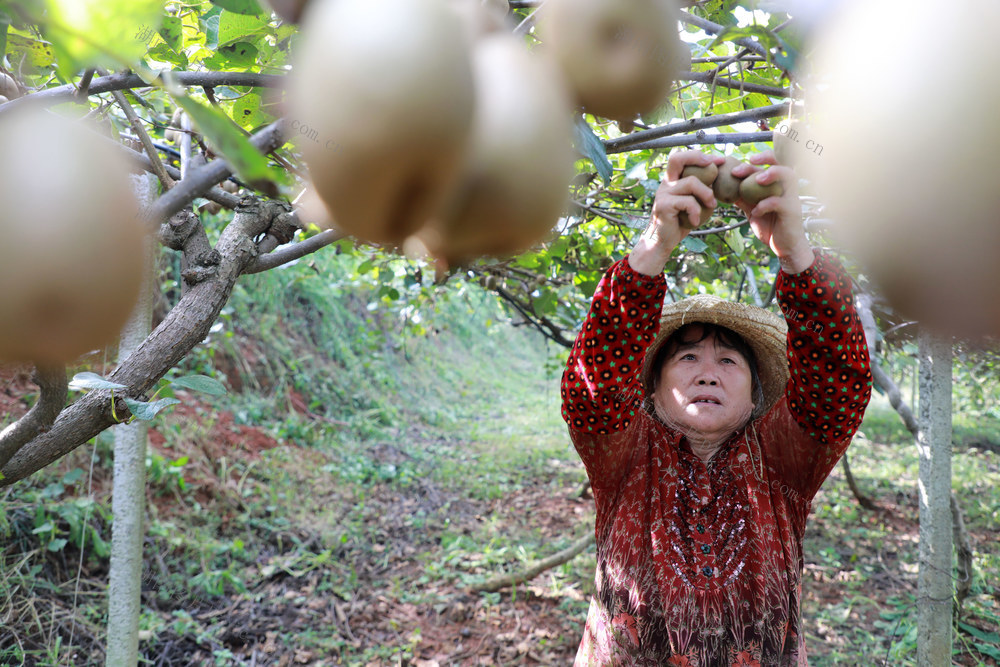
[[239, 6], [57, 544], [694, 244], [591, 147], [735, 241], [30, 54], [99, 545], [211, 20], [87, 380], [202, 383], [108, 33], [73, 476], [242, 54], [164, 54], [980, 634], [227, 140], [44, 528], [146, 411], [248, 113], [172, 33], [546, 303], [239, 28]]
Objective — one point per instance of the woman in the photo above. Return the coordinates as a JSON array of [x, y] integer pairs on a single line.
[[706, 430]]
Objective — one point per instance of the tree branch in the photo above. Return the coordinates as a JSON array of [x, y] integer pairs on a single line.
[[293, 252], [51, 381], [147, 143], [536, 568], [714, 29], [963, 552], [733, 84], [699, 137], [121, 81], [615, 145], [545, 326], [216, 194], [203, 178], [187, 324], [862, 499]]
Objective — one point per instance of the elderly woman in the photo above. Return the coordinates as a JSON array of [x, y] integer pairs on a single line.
[[706, 428]]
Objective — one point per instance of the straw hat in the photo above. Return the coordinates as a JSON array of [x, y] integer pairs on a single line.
[[764, 331]]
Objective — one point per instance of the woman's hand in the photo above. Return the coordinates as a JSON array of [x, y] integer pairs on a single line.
[[777, 221], [675, 194]]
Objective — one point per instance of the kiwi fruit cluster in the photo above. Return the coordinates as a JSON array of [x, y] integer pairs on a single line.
[[727, 188], [428, 125]]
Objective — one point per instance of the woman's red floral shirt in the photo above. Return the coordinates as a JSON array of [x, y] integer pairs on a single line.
[[700, 563]]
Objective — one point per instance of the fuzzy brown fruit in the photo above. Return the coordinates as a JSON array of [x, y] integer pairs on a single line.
[[726, 186], [516, 174], [380, 106], [754, 193], [706, 175], [71, 257], [929, 241], [619, 57]]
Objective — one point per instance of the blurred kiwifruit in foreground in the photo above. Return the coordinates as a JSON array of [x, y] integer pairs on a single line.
[[515, 179], [71, 256], [619, 57], [917, 208], [380, 105]]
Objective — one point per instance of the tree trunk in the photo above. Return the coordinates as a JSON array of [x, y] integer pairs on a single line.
[[129, 490], [934, 586]]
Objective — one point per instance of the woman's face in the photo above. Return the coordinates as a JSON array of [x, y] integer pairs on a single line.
[[704, 389]]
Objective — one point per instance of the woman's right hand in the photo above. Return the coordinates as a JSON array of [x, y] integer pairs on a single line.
[[675, 194]]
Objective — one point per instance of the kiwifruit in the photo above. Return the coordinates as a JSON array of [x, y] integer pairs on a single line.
[[380, 105], [919, 213], [795, 145], [726, 186], [210, 207], [72, 254], [516, 173], [619, 57], [753, 192], [706, 175]]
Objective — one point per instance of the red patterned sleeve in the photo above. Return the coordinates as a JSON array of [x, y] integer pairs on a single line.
[[830, 381], [601, 387]]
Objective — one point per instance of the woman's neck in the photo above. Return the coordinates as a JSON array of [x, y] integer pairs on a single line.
[[704, 450]]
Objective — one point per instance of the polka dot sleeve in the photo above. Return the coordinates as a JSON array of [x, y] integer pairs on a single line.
[[600, 386], [827, 352], [830, 385]]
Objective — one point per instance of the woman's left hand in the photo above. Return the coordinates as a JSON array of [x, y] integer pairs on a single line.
[[777, 220]]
